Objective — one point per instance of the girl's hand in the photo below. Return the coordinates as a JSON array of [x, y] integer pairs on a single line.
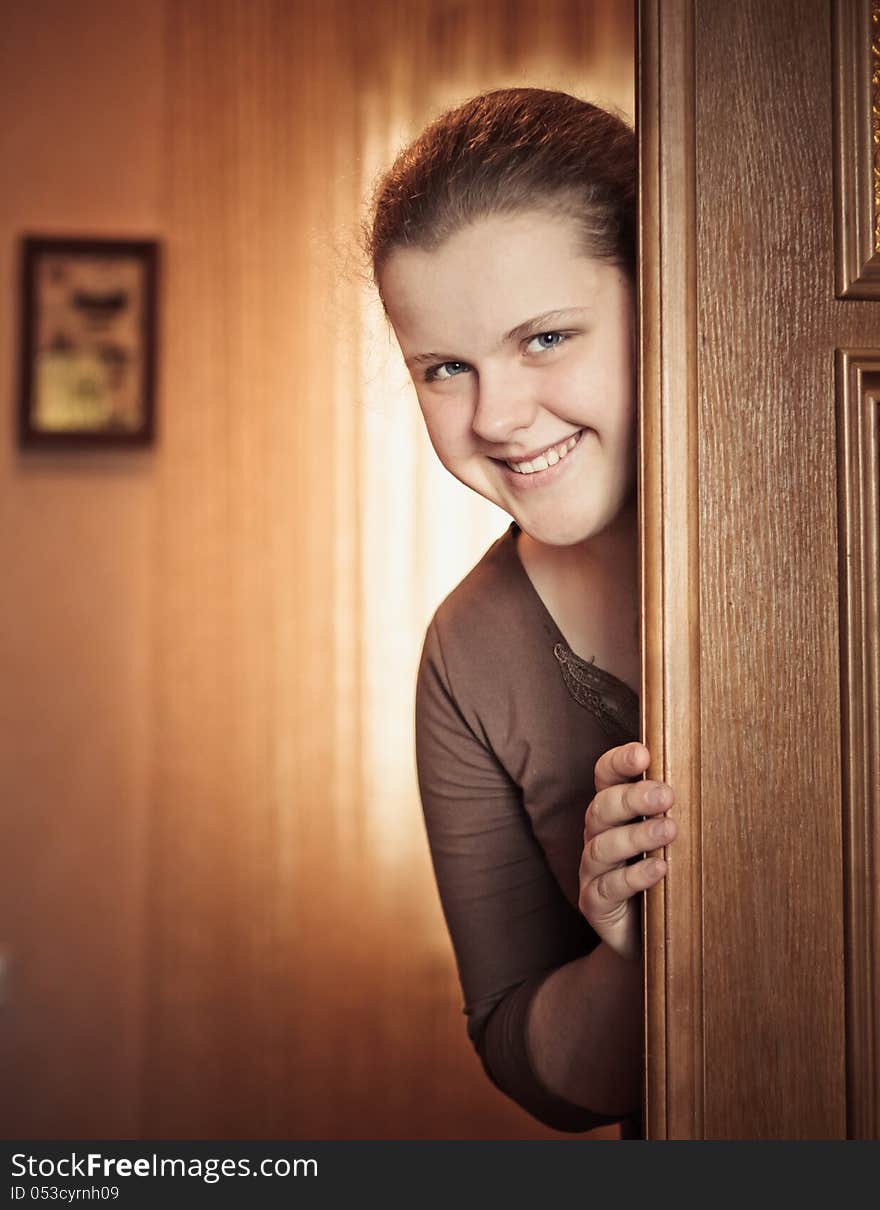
[[607, 883]]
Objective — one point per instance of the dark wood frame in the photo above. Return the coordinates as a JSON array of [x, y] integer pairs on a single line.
[[32, 248]]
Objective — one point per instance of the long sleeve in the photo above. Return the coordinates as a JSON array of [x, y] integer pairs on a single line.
[[509, 921]]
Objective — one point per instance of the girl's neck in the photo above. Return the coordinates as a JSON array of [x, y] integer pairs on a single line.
[[591, 590], [611, 556]]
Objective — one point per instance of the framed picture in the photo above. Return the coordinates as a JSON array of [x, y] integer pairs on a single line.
[[88, 342]]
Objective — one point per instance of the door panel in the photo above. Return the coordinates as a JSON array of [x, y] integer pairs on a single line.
[[750, 944]]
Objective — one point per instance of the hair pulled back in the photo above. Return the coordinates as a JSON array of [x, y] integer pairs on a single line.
[[503, 152]]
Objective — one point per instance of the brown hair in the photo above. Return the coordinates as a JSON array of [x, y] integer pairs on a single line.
[[505, 151]]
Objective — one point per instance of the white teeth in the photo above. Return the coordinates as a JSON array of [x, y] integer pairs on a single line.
[[548, 459]]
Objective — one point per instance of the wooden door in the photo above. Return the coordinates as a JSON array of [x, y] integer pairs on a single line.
[[760, 385]]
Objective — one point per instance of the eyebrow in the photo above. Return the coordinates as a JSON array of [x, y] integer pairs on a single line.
[[538, 323], [541, 322]]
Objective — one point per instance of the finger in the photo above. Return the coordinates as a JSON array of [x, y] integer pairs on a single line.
[[605, 893], [621, 804], [610, 848], [620, 764]]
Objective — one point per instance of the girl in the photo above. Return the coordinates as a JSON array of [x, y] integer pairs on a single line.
[[503, 247]]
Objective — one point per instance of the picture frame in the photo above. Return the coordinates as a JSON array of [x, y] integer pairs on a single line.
[[88, 342]]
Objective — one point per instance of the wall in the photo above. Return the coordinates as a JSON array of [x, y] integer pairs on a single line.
[[82, 153], [205, 888]]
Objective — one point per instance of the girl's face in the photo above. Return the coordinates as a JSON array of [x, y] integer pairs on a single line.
[[521, 349]]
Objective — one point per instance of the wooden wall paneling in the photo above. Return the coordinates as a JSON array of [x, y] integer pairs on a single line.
[[858, 394], [856, 141], [669, 463]]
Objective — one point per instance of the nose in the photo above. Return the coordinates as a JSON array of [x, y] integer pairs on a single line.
[[505, 403]]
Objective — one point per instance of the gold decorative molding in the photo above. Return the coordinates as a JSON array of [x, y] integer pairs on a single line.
[[858, 433], [857, 147], [875, 114]]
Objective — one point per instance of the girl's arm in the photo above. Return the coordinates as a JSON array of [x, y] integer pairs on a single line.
[[585, 1023], [585, 1032], [510, 924]]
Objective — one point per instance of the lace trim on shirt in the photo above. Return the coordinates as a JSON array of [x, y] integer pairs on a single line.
[[614, 704]]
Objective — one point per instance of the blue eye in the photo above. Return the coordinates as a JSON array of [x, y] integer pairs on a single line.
[[453, 368], [548, 340]]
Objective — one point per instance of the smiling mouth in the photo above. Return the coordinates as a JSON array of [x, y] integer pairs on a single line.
[[546, 459]]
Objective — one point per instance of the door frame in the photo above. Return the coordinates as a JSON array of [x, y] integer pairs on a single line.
[[670, 602]]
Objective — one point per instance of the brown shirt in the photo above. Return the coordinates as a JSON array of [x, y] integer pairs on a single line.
[[509, 726]]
